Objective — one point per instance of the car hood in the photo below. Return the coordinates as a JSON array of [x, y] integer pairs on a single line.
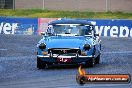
[[66, 41]]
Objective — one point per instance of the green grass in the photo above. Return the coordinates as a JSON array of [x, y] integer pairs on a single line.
[[38, 13]]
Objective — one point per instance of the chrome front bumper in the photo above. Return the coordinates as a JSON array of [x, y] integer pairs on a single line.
[[56, 56], [73, 59]]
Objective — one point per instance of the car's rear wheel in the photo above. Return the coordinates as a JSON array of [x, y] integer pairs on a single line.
[[41, 64], [97, 59]]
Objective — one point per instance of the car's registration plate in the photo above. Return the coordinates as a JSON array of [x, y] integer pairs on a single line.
[[63, 59]]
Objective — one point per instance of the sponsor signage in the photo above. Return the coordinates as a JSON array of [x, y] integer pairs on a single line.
[[111, 27], [31, 26], [43, 24], [114, 28], [18, 25]]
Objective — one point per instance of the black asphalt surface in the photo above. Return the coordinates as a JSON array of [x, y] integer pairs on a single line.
[[18, 64]]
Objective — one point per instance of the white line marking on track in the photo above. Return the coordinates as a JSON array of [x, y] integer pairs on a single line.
[[3, 49], [118, 52]]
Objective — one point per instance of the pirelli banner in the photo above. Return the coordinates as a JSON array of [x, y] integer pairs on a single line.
[[31, 26]]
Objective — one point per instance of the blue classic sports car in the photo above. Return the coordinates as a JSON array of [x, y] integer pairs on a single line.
[[69, 42]]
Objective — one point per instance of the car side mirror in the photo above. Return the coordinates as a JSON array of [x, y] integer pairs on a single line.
[[96, 34], [44, 34]]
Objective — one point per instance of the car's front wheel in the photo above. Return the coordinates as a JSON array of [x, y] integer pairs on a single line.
[[97, 59], [41, 64], [92, 62]]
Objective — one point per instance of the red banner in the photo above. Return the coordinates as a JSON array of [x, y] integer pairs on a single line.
[[43, 24]]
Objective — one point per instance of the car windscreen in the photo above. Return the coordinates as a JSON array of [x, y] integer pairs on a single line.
[[70, 29]]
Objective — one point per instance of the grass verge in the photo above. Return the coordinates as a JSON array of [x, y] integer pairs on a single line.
[[38, 13]]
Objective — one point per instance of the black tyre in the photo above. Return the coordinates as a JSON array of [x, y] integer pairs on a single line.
[[97, 59], [92, 62], [41, 64]]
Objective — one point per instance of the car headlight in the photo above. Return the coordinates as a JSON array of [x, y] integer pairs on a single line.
[[86, 47], [83, 53], [44, 53], [42, 46]]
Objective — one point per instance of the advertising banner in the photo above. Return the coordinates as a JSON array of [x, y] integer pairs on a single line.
[[33, 26], [26, 26], [111, 27], [43, 24], [114, 28]]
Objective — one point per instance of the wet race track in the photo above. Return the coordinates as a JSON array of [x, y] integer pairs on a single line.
[[18, 64]]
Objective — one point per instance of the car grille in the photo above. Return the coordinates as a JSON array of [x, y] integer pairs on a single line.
[[64, 51]]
